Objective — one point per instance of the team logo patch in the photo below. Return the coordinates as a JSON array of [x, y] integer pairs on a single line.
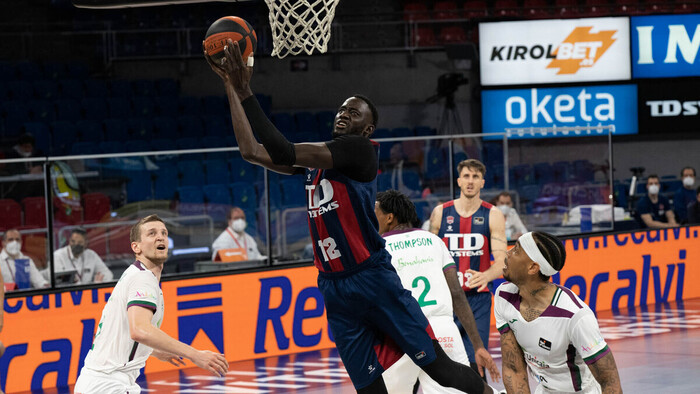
[[450, 219], [478, 220], [545, 344], [420, 355]]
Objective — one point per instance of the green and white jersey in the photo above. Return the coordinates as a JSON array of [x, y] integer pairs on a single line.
[[113, 349], [419, 258], [558, 344]]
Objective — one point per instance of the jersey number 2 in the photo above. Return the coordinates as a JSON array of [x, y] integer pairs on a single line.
[[328, 249], [421, 300]]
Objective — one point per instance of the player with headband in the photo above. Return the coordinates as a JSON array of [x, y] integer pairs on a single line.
[[545, 328]]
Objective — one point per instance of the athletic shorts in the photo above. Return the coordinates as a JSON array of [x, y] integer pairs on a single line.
[[374, 321], [401, 377], [94, 382]]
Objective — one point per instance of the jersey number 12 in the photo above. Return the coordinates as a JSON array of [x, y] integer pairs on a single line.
[[328, 249]]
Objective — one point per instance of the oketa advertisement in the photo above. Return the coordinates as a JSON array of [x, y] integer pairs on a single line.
[[278, 312], [562, 107], [554, 51], [665, 46]]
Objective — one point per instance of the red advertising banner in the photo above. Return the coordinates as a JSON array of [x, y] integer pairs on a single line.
[[269, 313]]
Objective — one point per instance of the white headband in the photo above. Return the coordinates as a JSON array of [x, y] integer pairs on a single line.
[[527, 242]]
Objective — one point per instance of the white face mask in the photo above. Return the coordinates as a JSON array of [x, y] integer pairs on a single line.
[[688, 181], [13, 248], [654, 189], [504, 208], [238, 225]]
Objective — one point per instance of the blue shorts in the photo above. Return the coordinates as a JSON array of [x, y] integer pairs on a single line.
[[480, 303], [374, 321]]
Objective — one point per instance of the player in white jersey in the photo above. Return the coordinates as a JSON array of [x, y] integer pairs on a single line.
[[546, 329], [129, 330], [427, 269]]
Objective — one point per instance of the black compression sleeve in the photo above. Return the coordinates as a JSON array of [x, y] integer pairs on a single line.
[[354, 156], [281, 151]]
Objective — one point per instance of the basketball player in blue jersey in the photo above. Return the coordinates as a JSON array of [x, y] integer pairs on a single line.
[[374, 320], [473, 230]]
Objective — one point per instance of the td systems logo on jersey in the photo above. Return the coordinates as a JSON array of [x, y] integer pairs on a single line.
[[320, 198], [566, 108], [666, 46], [554, 51], [465, 245]]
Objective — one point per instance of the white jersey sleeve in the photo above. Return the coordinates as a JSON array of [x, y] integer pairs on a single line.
[[586, 337], [500, 308], [143, 292]]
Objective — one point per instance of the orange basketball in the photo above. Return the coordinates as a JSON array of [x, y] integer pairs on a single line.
[[235, 28]]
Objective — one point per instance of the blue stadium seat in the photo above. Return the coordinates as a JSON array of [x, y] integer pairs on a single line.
[[20, 90], [77, 70], [191, 200], [265, 102], [167, 87], [219, 201], [166, 106], [216, 126], [435, 167], [381, 133], [140, 128], [411, 180], [275, 194], [190, 126], [423, 131], [116, 130], [42, 110], [188, 143], [46, 89], [423, 210], [84, 148], [189, 105], [72, 88], [68, 109], [55, 70], [29, 70], [243, 171], [399, 132], [561, 171], [384, 181], [163, 144], [244, 195], [284, 123], [16, 113], [306, 122], [165, 183], [522, 174], [120, 88], [292, 189], [89, 130], [214, 105], [326, 121], [138, 187], [544, 173], [96, 88], [63, 134], [191, 172], [119, 107], [137, 146], [111, 147], [458, 157], [529, 193], [41, 133], [216, 171], [95, 108], [165, 127], [142, 106], [493, 152], [143, 87], [583, 171]]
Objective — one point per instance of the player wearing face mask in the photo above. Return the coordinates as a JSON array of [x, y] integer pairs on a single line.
[[77, 257], [18, 269], [235, 237]]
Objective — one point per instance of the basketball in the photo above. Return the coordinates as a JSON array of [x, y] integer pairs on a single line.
[[235, 28]]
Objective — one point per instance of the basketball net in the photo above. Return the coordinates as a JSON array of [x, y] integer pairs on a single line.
[[300, 25]]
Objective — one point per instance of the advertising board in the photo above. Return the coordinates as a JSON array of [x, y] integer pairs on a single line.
[[665, 46]]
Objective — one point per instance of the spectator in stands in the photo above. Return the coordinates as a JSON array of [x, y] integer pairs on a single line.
[[12, 258], [654, 210], [514, 226], [235, 237], [684, 195], [77, 257], [694, 209], [398, 163], [24, 149]]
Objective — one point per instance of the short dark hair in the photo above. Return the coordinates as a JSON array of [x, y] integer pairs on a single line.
[[79, 231], [398, 204], [26, 138], [688, 168], [552, 249], [472, 164], [653, 176], [370, 104], [135, 233]]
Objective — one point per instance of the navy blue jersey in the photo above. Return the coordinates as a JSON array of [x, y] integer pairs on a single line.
[[467, 238], [341, 221]]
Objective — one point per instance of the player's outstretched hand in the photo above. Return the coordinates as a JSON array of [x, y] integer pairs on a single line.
[[213, 362], [232, 69], [477, 280], [484, 360], [168, 358]]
